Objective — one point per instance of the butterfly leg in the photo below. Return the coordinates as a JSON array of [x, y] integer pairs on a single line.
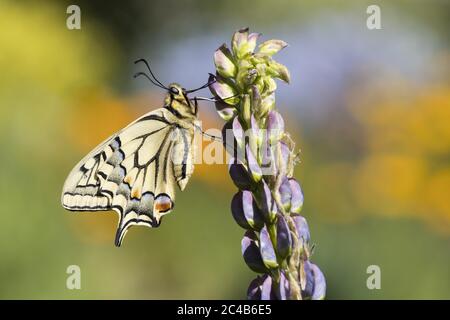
[[212, 137]]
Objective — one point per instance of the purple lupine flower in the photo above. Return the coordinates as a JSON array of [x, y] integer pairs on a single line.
[[266, 248], [266, 289], [286, 194], [239, 174], [254, 289], [283, 290], [314, 287], [268, 203], [275, 126], [296, 196], [253, 165], [246, 212], [284, 237], [251, 253], [319, 284]]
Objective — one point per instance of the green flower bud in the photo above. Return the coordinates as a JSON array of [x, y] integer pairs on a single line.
[[257, 135], [259, 83], [240, 43], [261, 68], [270, 47], [223, 59], [255, 99], [258, 58], [238, 132], [267, 104], [279, 71], [252, 75], [246, 74], [246, 108], [254, 138], [252, 39], [269, 84]]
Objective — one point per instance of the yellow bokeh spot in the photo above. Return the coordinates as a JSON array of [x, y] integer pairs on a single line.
[[389, 183]]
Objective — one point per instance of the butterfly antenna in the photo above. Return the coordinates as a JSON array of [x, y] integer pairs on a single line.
[[202, 87], [151, 72], [150, 79]]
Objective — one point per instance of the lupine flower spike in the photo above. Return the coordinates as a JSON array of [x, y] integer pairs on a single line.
[[276, 243]]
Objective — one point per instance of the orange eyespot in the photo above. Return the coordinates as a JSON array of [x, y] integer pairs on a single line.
[[163, 206]]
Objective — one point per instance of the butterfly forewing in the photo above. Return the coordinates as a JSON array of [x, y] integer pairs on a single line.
[[134, 172]]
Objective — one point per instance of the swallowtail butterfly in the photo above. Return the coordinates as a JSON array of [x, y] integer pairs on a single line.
[[134, 172]]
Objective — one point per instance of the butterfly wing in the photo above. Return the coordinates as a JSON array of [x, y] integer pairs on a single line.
[[134, 172]]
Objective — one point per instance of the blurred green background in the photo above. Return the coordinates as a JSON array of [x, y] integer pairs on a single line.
[[369, 109]]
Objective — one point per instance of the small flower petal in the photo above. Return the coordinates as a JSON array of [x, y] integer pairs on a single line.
[[239, 174], [320, 286], [307, 279], [283, 290], [284, 238], [225, 111], [275, 126], [285, 194], [253, 166], [270, 47], [266, 203], [251, 253], [239, 43], [246, 108], [246, 74], [269, 85], [251, 40], [297, 196], [238, 132], [267, 104], [245, 211], [266, 248], [268, 163], [266, 289], [255, 136], [279, 71], [223, 59], [255, 99], [302, 228], [237, 209], [224, 90], [254, 289]]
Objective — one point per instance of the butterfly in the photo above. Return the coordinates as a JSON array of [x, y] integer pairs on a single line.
[[135, 171]]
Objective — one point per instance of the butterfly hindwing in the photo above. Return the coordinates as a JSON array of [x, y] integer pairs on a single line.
[[134, 172]]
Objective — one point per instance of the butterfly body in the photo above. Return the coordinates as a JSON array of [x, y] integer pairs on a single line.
[[134, 172]]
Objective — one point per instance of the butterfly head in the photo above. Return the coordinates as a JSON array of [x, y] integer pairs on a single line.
[[178, 100], [176, 92]]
